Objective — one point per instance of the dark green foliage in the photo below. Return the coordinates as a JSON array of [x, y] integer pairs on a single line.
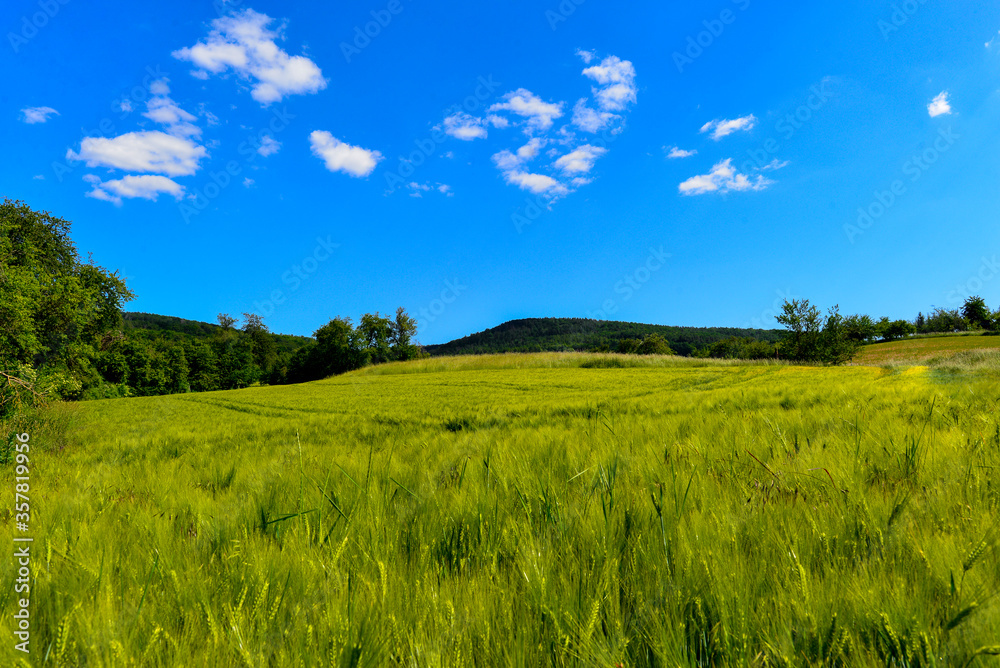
[[975, 311], [890, 330], [813, 338], [741, 348], [554, 334]]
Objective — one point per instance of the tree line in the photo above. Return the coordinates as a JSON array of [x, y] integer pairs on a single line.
[[62, 332], [835, 339]]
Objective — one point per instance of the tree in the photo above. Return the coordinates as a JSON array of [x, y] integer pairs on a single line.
[[377, 333], [654, 344], [859, 328], [404, 328], [226, 321], [54, 309], [265, 351], [339, 348], [977, 313], [804, 325]]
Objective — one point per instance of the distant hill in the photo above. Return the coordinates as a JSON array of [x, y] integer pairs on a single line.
[[547, 334], [169, 328]]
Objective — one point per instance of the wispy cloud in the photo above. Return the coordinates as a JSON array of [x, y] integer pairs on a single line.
[[677, 152], [268, 146], [721, 179], [339, 156], [244, 43], [940, 105], [466, 127], [726, 127], [146, 186], [539, 114], [581, 160], [32, 115]]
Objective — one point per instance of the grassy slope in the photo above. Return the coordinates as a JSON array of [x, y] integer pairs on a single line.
[[921, 349], [522, 510]]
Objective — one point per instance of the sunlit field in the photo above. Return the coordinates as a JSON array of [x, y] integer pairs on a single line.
[[528, 510], [920, 349]]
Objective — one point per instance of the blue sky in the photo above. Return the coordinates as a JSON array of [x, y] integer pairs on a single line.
[[678, 164]]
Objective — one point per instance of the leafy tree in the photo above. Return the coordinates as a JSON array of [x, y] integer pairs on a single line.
[[54, 309], [859, 328], [404, 328], [265, 351], [226, 321], [975, 311], [804, 324], [654, 344], [339, 348], [377, 333]]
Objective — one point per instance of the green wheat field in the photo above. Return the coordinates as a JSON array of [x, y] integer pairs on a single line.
[[524, 510]]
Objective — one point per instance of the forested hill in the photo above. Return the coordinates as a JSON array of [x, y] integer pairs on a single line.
[[171, 329], [544, 334]]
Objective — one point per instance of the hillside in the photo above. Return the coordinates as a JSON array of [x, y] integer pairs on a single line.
[[151, 326], [920, 349], [549, 334]]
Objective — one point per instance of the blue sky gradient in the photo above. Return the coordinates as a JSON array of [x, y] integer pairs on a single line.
[[845, 153]]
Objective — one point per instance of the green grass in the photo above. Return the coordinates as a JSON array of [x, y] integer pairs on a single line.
[[525, 510], [923, 349]]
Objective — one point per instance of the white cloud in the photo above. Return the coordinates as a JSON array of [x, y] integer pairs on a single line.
[[586, 56], [617, 77], [726, 127], [591, 120], [539, 184], [242, 42], [247, 182], [465, 127], [419, 188], [540, 114], [33, 115], [146, 186], [677, 152], [498, 121], [580, 161], [268, 146], [531, 149], [163, 110], [151, 151], [773, 165], [506, 161], [721, 179], [341, 157], [38, 177], [940, 105]]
